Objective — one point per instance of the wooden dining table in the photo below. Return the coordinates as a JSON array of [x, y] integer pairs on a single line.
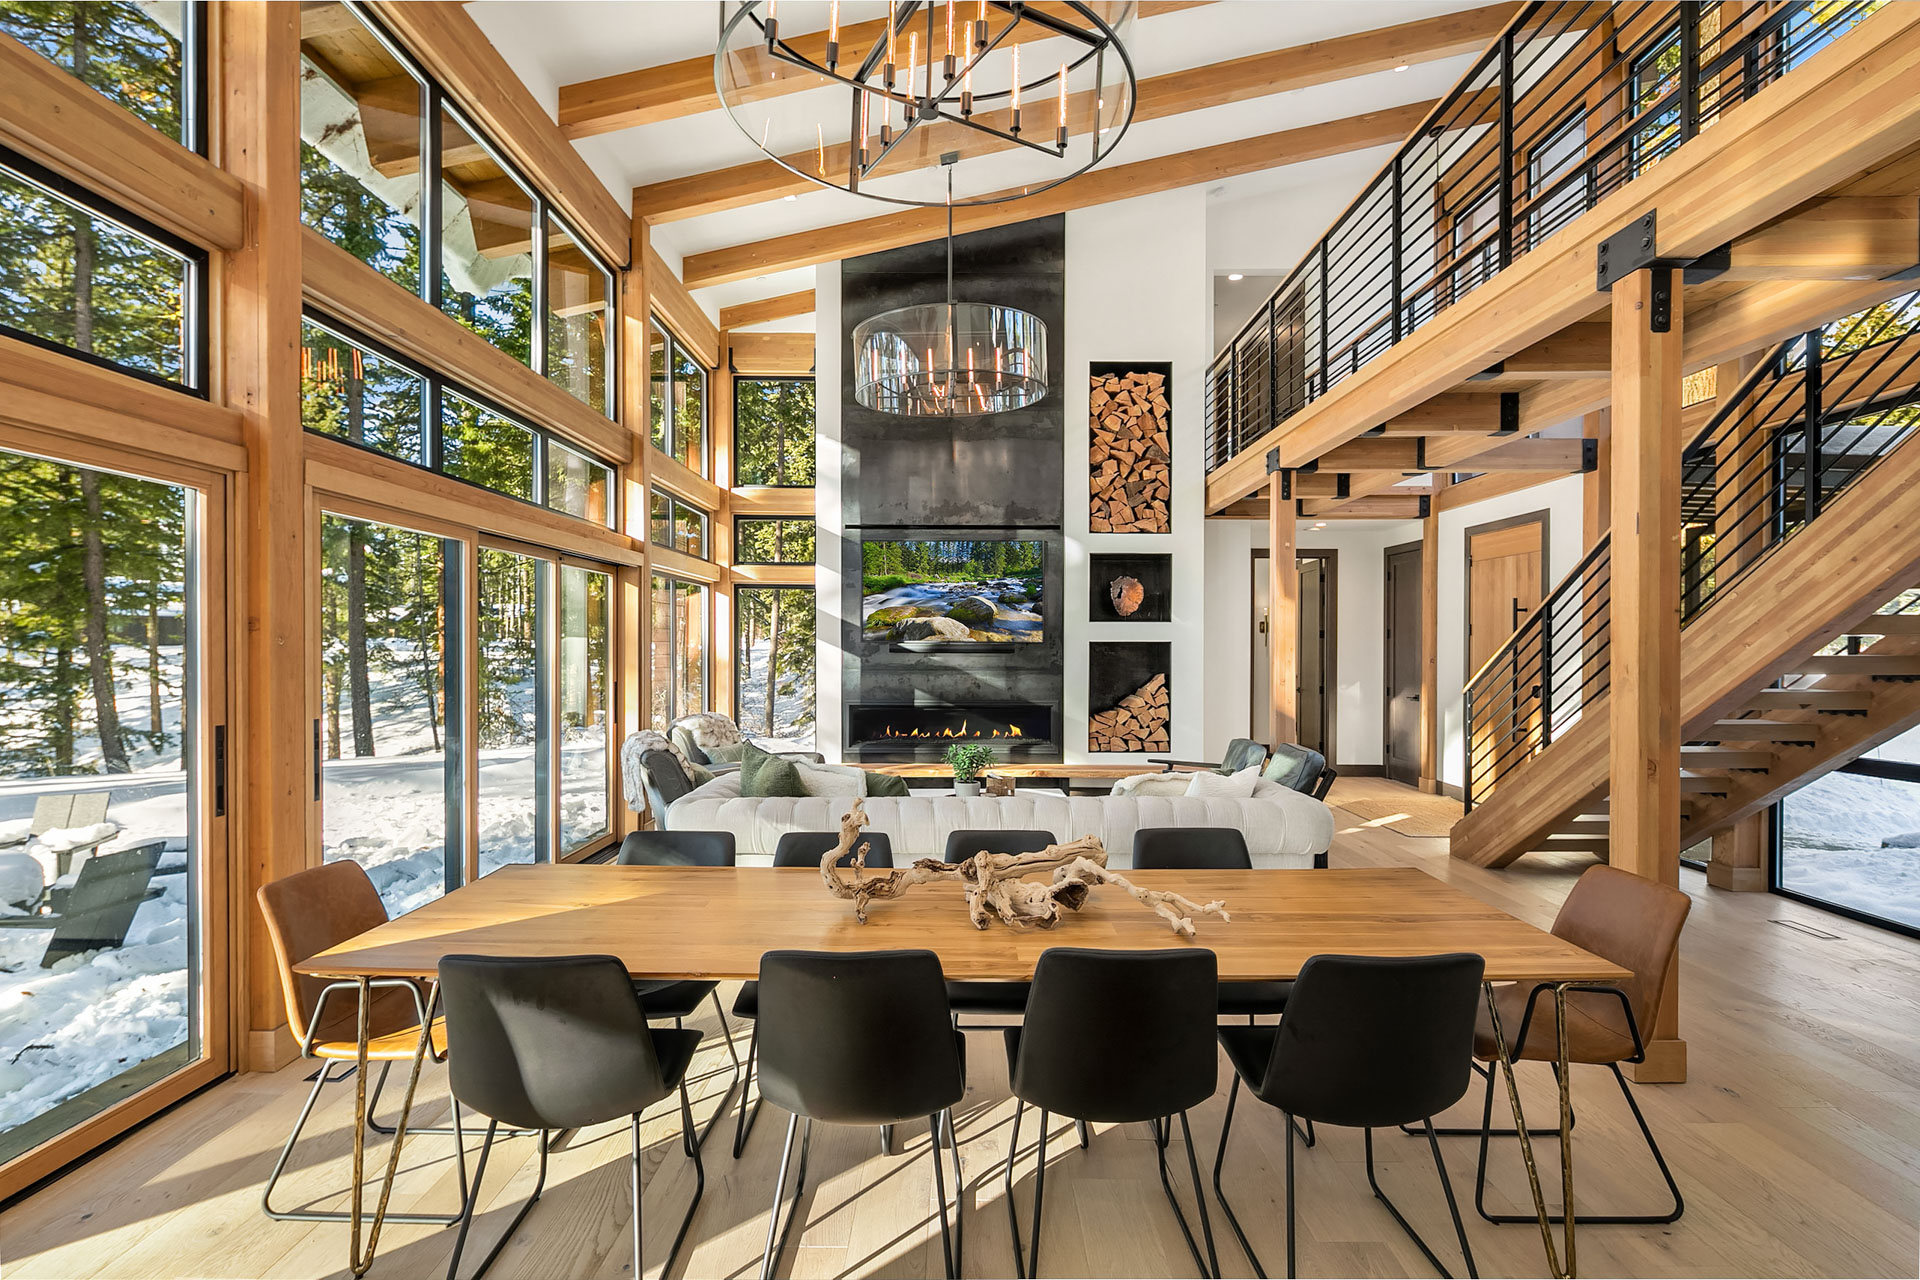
[[714, 923]]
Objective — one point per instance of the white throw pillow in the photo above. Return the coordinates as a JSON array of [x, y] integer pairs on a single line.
[[831, 779], [1232, 786], [1152, 784]]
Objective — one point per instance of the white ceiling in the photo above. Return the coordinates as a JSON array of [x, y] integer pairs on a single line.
[[554, 42]]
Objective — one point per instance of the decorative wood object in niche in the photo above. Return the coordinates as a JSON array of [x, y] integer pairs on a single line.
[[1139, 723], [1126, 594], [1131, 460], [994, 884]]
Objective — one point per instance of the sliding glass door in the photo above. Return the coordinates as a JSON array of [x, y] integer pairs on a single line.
[[111, 856], [513, 714], [1850, 840]]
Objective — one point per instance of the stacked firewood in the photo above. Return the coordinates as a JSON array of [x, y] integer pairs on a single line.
[[1139, 723], [1131, 458]]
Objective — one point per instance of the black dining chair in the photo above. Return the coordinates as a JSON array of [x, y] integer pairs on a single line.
[[797, 849], [560, 1043], [681, 1000], [1369, 1042], [859, 1038], [1117, 1037], [1003, 999], [1215, 849]]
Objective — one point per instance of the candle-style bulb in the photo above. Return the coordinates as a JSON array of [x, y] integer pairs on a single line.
[[1016, 89]]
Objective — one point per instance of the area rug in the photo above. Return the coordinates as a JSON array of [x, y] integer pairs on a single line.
[[1423, 816]]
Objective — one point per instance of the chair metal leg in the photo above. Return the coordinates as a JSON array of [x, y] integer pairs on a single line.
[[473, 1200], [1030, 1265], [949, 1241], [1546, 1131], [1615, 1220], [1432, 1258], [743, 1126], [692, 1148], [1210, 1265], [739, 1074], [1293, 1223], [886, 1139], [776, 1232], [1086, 1134], [1219, 1192], [340, 1215]]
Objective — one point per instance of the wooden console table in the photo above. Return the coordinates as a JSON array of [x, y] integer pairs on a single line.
[[1062, 773]]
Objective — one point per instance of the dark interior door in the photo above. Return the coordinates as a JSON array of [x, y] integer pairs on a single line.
[[1403, 666]]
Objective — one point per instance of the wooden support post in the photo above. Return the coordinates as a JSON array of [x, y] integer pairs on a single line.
[[1283, 619], [635, 587], [1597, 485], [1644, 704], [1430, 641], [1738, 863], [258, 119]]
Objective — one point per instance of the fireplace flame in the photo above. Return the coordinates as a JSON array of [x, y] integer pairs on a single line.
[[1012, 731]]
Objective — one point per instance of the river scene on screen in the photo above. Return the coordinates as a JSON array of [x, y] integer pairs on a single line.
[[953, 591]]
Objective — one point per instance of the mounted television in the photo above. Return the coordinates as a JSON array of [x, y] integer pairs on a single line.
[[952, 592]]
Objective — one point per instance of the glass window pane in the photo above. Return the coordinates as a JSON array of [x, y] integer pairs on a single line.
[[352, 393], [773, 431], [774, 629], [690, 530], [765, 540], [579, 293], [689, 410], [660, 655], [96, 680], [74, 279], [1852, 839], [689, 648], [486, 249], [382, 707], [132, 54], [507, 706], [657, 384], [586, 704], [360, 130], [660, 519], [578, 485], [481, 446]]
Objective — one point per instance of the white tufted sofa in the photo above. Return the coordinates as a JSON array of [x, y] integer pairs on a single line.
[[1283, 828]]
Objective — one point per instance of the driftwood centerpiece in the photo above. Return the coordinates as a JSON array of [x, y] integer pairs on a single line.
[[993, 882]]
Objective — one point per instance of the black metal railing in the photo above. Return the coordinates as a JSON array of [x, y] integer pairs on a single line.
[[1805, 423], [1573, 101]]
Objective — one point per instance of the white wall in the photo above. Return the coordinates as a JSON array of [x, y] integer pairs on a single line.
[[829, 527], [1359, 587], [1138, 289], [1561, 499]]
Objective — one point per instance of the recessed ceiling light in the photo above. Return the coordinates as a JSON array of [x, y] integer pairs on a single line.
[[1235, 275], [1321, 525], [1401, 67], [789, 196]]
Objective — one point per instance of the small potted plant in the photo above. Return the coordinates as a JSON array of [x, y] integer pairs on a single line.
[[969, 760]]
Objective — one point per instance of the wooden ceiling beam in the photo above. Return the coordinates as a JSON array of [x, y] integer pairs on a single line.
[[1377, 507], [675, 90], [1214, 84], [1467, 412], [1119, 182], [762, 310], [1844, 238], [769, 354]]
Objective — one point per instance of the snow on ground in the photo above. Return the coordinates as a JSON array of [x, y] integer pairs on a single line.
[[787, 707], [1831, 843]]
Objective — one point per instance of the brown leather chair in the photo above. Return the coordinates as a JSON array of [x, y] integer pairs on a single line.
[[307, 913], [1636, 923]]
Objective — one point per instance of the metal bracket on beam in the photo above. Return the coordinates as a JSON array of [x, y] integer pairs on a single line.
[[1589, 455], [1426, 505], [1493, 370], [1273, 460], [1284, 478], [1636, 246], [1342, 485], [1299, 508], [1419, 455], [1375, 431], [1308, 468], [1509, 414]]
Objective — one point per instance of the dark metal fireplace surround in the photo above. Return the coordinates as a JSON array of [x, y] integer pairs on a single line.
[[905, 732]]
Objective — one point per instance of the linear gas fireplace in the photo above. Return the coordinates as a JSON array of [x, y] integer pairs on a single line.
[[905, 731]]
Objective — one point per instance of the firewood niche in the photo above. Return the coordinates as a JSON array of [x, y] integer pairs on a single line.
[[1129, 705], [1130, 456], [994, 885]]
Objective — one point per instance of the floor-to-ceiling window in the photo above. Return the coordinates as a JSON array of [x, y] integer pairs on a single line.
[[104, 711], [677, 399], [774, 663], [511, 706], [678, 664], [385, 752], [1851, 839], [774, 431], [585, 706]]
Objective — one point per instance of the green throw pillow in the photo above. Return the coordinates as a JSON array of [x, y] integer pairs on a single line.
[[729, 754], [885, 784], [764, 774]]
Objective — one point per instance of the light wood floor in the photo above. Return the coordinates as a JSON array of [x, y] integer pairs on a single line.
[[1797, 1142]]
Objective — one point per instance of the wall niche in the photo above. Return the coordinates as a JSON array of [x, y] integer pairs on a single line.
[[1110, 591], [1129, 699], [1130, 446]]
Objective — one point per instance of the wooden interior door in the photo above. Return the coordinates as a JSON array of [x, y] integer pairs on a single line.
[[1402, 747], [1506, 582]]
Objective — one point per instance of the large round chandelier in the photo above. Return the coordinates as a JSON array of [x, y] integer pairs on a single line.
[[863, 96]]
